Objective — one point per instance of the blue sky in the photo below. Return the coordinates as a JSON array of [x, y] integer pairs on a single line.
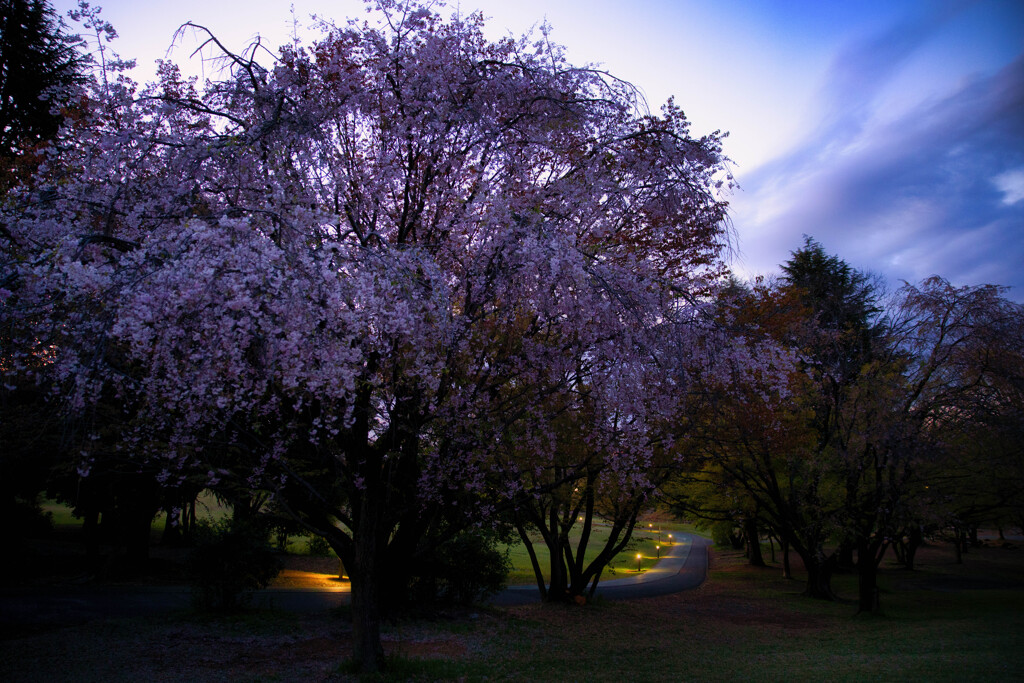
[[891, 131]]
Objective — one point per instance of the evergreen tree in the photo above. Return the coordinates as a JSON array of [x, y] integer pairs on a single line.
[[39, 63], [843, 303]]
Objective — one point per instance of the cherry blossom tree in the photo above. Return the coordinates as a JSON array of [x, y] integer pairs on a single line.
[[347, 273]]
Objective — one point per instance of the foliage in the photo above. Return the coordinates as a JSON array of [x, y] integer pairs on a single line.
[[463, 570], [228, 563], [318, 546], [40, 70], [865, 444]]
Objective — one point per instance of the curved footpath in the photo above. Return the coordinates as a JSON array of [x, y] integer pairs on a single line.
[[684, 567]]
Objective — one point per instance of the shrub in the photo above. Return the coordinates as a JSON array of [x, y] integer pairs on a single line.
[[230, 561], [318, 546], [727, 534], [467, 568]]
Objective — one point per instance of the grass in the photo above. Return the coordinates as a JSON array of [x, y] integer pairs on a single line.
[[207, 508], [750, 624], [744, 623]]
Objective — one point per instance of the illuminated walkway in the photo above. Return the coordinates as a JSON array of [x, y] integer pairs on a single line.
[[684, 567]]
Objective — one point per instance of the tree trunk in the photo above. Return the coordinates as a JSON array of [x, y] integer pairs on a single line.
[[91, 532], [787, 572], [959, 544], [136, 539], [819, 576], [368, 652], [558, 587], [868, 557], [911, 554], [534, 562], [753, 542], [867, 587], [846, 560], [914, 540]]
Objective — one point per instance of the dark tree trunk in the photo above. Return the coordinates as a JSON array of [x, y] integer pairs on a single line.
[[819, 576], [911, 555], [91, 531], [869, 554], [867, 587], [911, 543], [136, 539], [846, 560], [558, 587], [172, 531], [753, 538], [368, 652], [787, 572], [534, 561]]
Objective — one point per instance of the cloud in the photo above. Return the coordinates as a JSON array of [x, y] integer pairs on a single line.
[[934, 189], [1011, 184]]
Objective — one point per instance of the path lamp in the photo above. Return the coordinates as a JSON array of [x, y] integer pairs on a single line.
[[638, 563], [658, 548], [670, 539]]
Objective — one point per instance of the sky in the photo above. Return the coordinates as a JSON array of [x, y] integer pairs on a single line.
[[891, 131]]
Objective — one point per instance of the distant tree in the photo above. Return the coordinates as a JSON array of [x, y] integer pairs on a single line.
[[773, 441], [964, 349], [40, 73], [40, 66]]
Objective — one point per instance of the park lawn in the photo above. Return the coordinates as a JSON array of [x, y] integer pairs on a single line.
[[207, 508], [751, 624]]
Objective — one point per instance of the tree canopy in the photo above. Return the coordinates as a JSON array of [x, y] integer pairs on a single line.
[[360, 276]]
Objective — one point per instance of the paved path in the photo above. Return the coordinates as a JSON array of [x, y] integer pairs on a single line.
[[684, 567]]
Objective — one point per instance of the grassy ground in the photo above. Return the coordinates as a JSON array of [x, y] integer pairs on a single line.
[[943, 622]]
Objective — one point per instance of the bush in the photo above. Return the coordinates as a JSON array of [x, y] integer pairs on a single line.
[[25, 519], [727, 534], [461, 571], [230, 561], [318, 546]]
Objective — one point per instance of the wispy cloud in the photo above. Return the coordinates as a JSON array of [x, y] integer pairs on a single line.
[[933, 189]]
